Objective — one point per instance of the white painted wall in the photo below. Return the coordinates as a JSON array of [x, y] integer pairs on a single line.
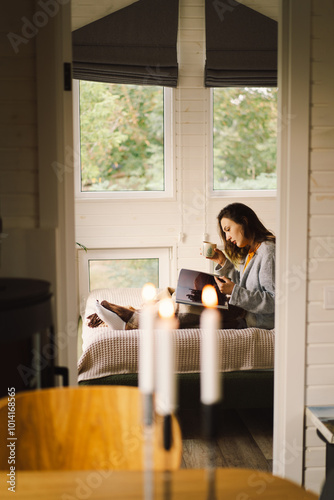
[[18, 125], [19, 174], [35, 205], [320, 322]]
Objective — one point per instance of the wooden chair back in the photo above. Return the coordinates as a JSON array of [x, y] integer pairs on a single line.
[[83, 428]]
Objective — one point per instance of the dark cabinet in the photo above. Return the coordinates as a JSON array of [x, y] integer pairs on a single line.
[[27, 347]]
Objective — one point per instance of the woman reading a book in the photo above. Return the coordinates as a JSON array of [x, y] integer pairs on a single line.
[[247, 275], [247, 264]]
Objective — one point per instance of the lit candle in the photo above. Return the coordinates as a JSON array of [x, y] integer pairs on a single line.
[[210, 380], [146, 344], [210, 323], [166, 381], [166, 384], [146, 381]]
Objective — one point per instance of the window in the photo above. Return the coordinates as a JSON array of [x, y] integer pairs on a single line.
[[123, 268], [244, 139], [123, 136]]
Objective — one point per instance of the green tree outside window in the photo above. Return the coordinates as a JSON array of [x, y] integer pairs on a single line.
[[244, 138], [121, 137]]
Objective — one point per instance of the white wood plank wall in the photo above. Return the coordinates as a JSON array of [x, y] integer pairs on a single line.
[[18, 138], [320, 333], [180, 222]]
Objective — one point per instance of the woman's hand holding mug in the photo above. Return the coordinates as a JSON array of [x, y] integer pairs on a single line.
[[210, 251]]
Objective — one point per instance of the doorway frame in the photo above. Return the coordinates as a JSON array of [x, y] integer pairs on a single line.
[[292, 231], [292, 241]]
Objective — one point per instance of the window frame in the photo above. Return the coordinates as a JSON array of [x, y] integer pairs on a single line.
[[169, 162], [230, 193], [84, 256]]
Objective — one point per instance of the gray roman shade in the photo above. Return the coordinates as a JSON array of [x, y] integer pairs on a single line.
[[241, 46], [135, 45]]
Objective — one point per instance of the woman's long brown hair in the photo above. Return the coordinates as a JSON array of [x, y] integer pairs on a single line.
[[252, 227]]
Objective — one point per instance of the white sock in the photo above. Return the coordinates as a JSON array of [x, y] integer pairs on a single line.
[[109, 317]]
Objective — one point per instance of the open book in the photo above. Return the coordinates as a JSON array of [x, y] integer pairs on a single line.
[[190, 285]]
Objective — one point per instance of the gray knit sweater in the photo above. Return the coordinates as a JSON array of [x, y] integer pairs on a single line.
[[254, 288]]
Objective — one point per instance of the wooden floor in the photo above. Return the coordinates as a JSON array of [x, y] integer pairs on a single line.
[[245, 440]]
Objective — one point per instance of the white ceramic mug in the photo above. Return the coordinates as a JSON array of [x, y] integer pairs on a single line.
[[208, 249]]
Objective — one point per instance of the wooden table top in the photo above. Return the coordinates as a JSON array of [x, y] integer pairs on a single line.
[[231, 484]]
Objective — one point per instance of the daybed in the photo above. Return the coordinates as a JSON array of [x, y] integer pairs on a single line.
[[246, 356]]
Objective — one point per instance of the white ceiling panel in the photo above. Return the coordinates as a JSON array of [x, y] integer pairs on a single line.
[[87, 11], [269, 8]]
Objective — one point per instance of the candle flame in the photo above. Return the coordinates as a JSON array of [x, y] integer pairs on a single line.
[[148, 292], [166, 308], [209, 296]]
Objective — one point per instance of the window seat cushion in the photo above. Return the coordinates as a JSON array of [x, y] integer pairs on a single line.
[[109, 352]]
